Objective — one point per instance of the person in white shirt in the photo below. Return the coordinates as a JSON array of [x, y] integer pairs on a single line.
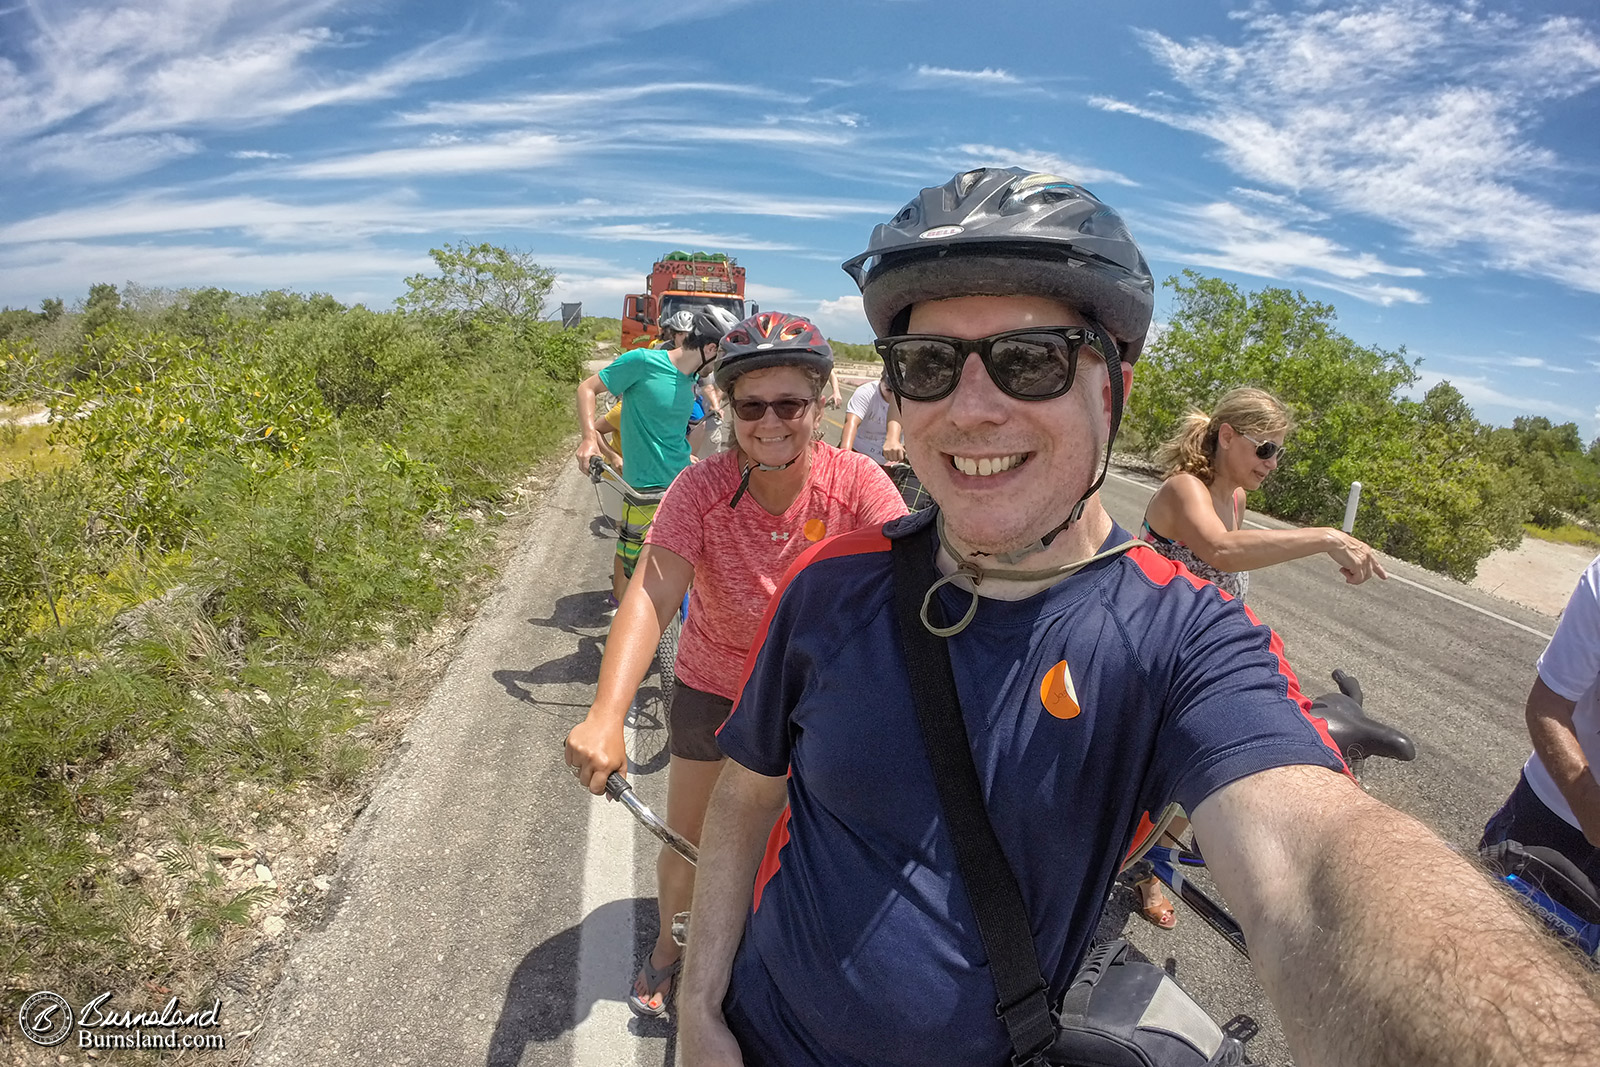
[[866, 424], [1556, 803]]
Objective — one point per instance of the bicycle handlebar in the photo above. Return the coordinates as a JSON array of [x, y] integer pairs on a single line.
[[617, 788]]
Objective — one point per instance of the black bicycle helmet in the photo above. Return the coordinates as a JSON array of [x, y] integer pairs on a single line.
[[772, 339], [1010, 232], [1003, 232]]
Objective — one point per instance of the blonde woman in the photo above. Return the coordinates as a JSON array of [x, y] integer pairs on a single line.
[[1197, 518]]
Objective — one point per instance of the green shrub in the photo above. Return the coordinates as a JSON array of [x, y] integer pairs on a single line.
[[265, 482]]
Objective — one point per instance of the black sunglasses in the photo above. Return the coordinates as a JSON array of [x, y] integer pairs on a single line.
[[788, 409], [1036, 364], [1265, 449]]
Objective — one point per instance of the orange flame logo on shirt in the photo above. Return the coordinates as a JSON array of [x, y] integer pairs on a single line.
[[1058, 694]]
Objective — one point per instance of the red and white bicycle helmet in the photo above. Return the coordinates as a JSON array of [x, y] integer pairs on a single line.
[[772, 339]]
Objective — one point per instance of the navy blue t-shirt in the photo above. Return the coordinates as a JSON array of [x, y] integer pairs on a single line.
[[1090, 707]]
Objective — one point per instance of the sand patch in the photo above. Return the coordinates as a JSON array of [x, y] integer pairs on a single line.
[[1537, 574]]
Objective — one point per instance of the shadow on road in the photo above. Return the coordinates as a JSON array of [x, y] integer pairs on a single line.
[[541, 1003], [578, 614]]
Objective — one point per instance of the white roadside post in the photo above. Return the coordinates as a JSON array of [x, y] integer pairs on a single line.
[[1350, 507]]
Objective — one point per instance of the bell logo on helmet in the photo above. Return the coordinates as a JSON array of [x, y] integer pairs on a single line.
[[940, 231]]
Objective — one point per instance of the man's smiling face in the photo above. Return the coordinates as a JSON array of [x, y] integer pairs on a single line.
[[1005, 471]]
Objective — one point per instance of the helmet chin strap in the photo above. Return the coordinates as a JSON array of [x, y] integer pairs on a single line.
[[1114, 371], [744, 479]]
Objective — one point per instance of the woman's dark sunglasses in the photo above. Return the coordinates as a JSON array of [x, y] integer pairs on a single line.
[[1266, 449], [1036, 364], [788, 409]]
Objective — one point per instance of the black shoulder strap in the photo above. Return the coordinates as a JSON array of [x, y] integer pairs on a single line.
[[991, 887]]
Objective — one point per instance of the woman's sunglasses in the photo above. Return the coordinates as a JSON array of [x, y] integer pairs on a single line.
[[788, 409], [1036, 364], [1265, 449]]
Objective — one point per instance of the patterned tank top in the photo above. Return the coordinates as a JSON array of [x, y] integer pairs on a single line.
[[1234, 583]]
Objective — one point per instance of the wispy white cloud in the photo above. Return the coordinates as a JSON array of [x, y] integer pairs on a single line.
[[564, 104], [105, 159], [593, 21], [986, 76], [256, 153], [1224, 236], [984, 155], [66, 269], [449, 153], [662, 233], [171, 64], [266, 218], [508, 152], [1517, 362], [342, 219], [1418, 113], [772, 297]]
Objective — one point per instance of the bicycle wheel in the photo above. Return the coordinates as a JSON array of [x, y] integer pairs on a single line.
[[648, 717]]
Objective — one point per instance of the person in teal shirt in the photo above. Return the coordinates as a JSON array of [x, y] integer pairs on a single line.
[[657, 388]]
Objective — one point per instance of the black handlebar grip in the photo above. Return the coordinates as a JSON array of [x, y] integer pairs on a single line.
[[616, 785], [596, 467]]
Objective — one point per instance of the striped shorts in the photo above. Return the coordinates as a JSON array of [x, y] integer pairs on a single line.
[[636, 519]]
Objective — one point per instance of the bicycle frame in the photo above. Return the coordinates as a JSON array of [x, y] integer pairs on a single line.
[[1562, 921]]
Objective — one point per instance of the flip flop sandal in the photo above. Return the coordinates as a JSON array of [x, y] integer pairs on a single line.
[[653, 979], [1162, 914]]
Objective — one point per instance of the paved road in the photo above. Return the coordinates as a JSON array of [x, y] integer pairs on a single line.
[[489, 913]]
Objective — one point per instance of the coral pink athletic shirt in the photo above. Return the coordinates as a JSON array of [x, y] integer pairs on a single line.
[[740, 554]]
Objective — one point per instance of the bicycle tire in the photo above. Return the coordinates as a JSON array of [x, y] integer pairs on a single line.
[[649, 717]]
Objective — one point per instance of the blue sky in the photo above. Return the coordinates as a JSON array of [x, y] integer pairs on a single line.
[[1430, 167]]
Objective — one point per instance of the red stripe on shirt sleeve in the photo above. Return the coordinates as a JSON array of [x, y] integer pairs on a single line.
[[772, 860], [1162, 571]]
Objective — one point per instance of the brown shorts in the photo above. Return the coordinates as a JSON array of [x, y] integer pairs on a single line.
[[693, 722]]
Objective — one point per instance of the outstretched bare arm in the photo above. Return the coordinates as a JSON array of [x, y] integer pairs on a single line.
[[738, 822], [1369, 962]]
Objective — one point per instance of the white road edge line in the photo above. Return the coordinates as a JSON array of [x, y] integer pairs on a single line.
[[605, 941], [1392, 577]]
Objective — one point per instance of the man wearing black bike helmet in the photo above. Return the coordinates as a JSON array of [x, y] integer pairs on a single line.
[[1097, 682]]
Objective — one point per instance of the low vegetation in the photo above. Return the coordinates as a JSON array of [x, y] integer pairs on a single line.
[[246, 491]]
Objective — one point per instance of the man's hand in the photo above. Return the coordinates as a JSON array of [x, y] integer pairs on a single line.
[[705, 1039], [894, 450], [588, 448]]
